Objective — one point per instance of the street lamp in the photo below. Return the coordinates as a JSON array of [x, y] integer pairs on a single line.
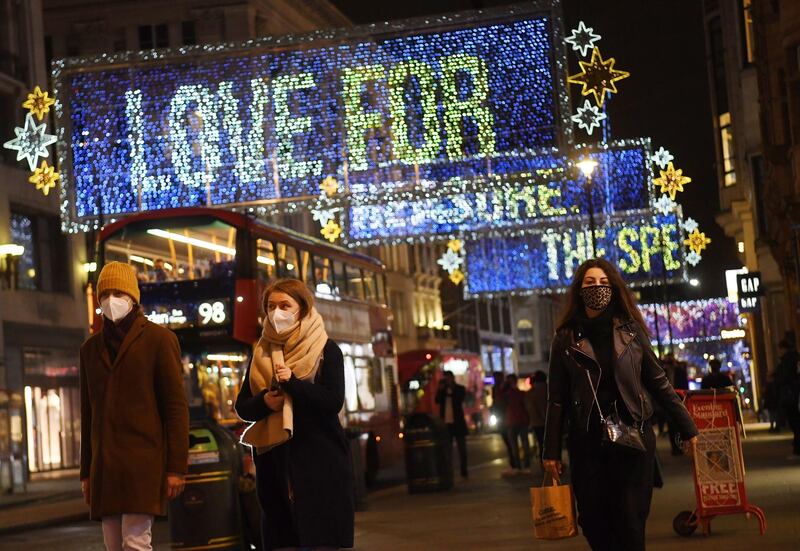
[[587, 167], [10, 252], [694, 282]]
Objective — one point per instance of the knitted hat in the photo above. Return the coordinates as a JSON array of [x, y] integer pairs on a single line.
[[118, 276]]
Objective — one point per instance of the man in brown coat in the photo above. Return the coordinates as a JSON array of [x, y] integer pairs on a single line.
[[134, 416]]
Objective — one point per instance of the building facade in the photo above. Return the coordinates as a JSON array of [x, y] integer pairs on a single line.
[[776, 28], [732, 57], [43, 314]]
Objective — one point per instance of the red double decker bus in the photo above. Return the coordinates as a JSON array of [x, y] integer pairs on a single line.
[[202, 273]]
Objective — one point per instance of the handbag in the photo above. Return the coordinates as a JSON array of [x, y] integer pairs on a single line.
[[617, 432], [553, 512]]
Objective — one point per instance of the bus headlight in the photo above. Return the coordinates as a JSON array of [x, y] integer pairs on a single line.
[[493, 420]]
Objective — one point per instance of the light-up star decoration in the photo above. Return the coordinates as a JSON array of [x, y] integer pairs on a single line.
[[582, 39], [697, 241], [31, 142], [662, 157], [331, 231], [456, 276], [665, 205], [44, 178], [588, 117], [323, 216], [598, 76], [329, 185], [450, 261], [455, 245], [671, 180], [693, 258], [690, 224], [38, 103]]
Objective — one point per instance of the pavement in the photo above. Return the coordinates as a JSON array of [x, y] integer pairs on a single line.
[[488, 512]]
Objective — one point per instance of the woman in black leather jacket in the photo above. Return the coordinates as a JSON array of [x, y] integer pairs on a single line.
[[601, 355]]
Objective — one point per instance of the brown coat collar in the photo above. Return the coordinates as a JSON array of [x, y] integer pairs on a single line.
[[133, 334]]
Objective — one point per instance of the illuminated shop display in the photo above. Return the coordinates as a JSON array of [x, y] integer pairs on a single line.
[[525, 191], [268, 120], [640, 243], [694, 320]]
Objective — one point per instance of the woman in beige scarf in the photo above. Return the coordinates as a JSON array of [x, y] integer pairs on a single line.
[[292, 394]]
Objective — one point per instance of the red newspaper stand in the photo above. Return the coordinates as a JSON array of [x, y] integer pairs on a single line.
[[718, 462]]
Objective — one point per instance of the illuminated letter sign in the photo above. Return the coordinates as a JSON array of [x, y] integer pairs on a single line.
[[748, 286], [642, 245], [264, 122]]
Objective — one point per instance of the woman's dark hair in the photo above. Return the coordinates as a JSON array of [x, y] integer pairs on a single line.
[[623, 303], [295, 289]]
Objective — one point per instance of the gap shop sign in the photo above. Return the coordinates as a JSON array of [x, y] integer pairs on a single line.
[[748, 287]]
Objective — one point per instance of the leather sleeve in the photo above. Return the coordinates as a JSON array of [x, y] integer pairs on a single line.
[[558, 399], [657, 384]]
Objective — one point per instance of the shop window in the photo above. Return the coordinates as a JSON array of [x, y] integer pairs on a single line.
[[188, 33], [728, 152], [324, 277], [525, 337], [397, 302], [748, 32], [370, 288], [153, 36], [360, 383], [53, 428], [23, 233], [380, 286], [304, 263]]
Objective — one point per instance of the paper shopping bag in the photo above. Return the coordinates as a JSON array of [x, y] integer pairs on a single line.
[[553, 512]]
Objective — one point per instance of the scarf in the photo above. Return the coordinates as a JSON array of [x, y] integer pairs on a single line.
[[300, 349], [114, 333]]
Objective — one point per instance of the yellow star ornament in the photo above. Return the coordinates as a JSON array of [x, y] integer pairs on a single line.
[[697, 241], [329, 185], [38, 103], [44, 177], [671, 181], [331, 231], [454, 245], [598, 77], [457, 276]]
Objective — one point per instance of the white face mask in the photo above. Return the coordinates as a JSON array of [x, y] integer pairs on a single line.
[[116, 308], [282, 320]]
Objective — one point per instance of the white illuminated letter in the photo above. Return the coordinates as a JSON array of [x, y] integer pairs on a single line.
[[286, 126], [203, 118]]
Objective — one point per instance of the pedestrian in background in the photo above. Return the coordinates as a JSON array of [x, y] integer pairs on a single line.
[[601, 359], [517, 426], [450, 397], [498, 409], [789, 384], [680, 381], [536, 406], [715, 379], [292, 393], [134, 415], [772, 403]]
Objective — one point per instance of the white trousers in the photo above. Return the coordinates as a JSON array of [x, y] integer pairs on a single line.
[[128, 532]]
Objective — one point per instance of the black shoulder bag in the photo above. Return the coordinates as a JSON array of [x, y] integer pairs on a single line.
[[617, 432]]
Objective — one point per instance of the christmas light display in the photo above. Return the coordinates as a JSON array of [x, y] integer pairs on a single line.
[[671, 181], [44, 178], [662, 158], [31, 142], [689, 225], [665, 205], [692, 321], [598, 77], [39, 103], [588, 117], [697, 241], [582, 39], [640, 243], [527, 191], [260, 124], [452, 260]]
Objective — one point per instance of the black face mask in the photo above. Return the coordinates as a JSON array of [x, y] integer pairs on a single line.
[[597, 297]]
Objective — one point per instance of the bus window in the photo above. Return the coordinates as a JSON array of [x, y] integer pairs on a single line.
[[355, 285], [323, 275], [381, 288], [359, 377], [339, 277], [176, 253], [288, 264], [369, 285], [219, 379], [266, 260], [305, 267]]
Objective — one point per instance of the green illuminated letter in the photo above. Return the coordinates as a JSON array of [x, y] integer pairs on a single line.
[[475, 106], [398, 77], [624, 238], [358, 121]]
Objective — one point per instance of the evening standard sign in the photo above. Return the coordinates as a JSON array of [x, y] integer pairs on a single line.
[[265, 122]]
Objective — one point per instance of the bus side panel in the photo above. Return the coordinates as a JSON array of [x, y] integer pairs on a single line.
[[247, 308]]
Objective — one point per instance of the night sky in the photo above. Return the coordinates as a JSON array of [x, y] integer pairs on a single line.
[[661, 43]]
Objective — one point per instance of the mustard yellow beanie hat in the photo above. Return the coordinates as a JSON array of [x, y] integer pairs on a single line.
[[118, 276]]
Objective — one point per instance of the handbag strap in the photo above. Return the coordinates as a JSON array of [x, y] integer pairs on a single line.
[[596, 401]]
